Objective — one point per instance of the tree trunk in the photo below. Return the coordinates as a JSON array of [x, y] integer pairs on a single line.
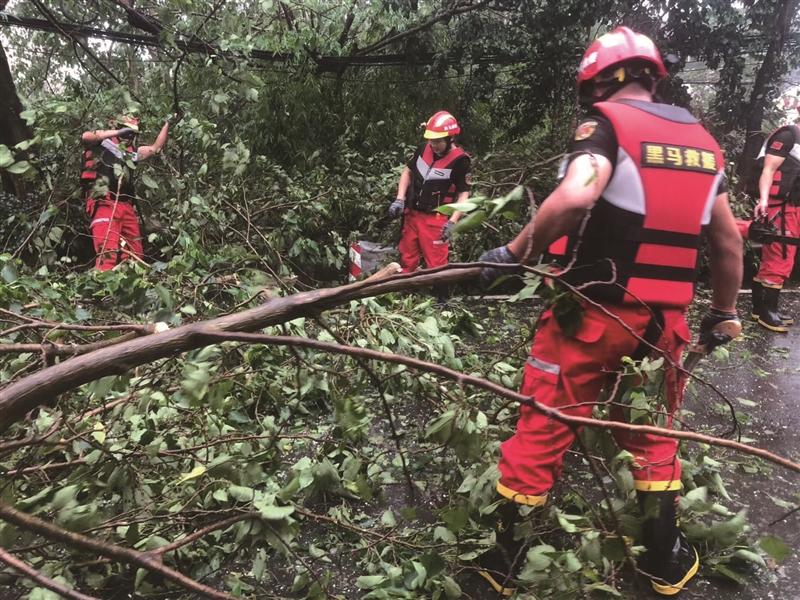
[[13, 129], [767, 79]]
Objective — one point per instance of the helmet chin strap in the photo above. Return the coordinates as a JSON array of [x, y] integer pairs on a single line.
[[446, 148]]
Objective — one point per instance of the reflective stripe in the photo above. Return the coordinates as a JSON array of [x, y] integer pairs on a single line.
[[545, 366], [795, 152], [517, 498], [112, 147], [625, 190], [712, 197], [100, 220], [658, 486]]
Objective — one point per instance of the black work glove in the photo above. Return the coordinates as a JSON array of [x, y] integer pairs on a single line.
[[496, 255], [447, 231], [396, 208], [125, 133], [709, 338]]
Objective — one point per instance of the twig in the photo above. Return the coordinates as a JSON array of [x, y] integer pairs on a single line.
[[34, 575], [143, 560]]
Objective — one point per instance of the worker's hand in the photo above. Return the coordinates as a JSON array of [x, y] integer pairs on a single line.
[[760, 211], [713, 333], [500, 255], [126, 132], [447, 231], [173, 119], [396, 208]]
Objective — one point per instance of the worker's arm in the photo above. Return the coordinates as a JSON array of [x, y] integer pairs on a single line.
[[562, 211], [402, 186], [94, 137], [725, 254], [145, 152], [771, 164]]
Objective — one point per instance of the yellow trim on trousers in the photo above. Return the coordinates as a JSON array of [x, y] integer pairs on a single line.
[[657, 486], [518, 498]]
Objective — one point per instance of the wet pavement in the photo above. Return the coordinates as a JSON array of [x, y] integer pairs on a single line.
[[762, 378]]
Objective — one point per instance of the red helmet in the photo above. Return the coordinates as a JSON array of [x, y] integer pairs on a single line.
[[441, 125], [128, 121], [620, 46]]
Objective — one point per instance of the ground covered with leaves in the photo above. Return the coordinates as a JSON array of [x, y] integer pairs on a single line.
[[279, 472]]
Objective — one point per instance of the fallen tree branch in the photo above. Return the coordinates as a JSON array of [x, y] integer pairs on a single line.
[[20, 397], [50, 349], [145, 560], [44, 581], [463, 378]]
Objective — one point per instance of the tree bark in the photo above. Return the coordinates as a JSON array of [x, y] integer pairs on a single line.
[[13, 128], [767, 79]]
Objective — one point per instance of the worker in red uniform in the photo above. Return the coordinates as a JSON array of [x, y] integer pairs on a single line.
[[779, 204], [109, 160], [437, 174], [641, 182]]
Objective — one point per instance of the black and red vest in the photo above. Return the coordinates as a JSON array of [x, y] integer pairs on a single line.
[[786, 180], [99, 177], [640, 241], [432, 179]]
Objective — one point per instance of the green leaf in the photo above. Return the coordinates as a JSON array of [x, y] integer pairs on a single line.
[[193, 474], [777, 549], [19, 168], [750, 557], [366, 582], [149, 181], [6, 157], [471, 221], [272, 512]]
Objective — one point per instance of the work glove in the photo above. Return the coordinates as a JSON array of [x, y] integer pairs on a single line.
[[496, 255], [125, 132], [709, 338], [447, 231], [396, 208]]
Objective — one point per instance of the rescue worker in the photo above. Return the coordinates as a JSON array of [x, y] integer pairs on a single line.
[[438, 173], [641, 182], [778, 203], [109, 159]]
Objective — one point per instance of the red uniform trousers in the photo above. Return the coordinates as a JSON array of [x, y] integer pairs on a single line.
[[775, 268], [569, 373], [115, 232], [422, 236]]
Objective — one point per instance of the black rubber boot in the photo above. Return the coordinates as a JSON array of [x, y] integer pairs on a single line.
[[768, 316], [758, 300], [670, 560], [499, 565], [758, 305], [441, 292]]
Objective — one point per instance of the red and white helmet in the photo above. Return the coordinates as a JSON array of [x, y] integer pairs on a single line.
[[619, 46], [441, 125], [128, 121]]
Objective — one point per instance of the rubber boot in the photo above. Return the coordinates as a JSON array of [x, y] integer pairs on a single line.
[[768, 316], [441, 292], [670, 560], [499, 565], [758, 305]]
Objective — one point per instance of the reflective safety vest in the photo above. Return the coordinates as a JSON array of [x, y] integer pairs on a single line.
[[98, 164], [640, 241], [431, 180], [785, 184]]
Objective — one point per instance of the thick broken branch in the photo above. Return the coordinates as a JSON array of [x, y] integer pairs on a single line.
[[22, 396]]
